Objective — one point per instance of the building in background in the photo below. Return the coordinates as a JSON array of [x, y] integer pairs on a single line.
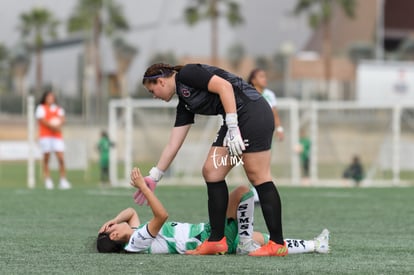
[[398, 26], [353, 40]]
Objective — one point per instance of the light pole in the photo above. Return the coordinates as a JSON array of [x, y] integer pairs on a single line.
[[287, 48], [379, 45], [20, 65]]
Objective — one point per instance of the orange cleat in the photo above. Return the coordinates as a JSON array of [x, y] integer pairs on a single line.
[[210, 248], [270, 249]]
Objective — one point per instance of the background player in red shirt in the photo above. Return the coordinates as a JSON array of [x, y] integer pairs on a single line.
[[51, 117]]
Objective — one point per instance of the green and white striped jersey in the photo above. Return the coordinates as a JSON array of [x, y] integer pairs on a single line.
[[173, 238]]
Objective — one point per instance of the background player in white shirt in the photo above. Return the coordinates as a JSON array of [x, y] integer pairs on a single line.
[[258, 79], [125, 232]]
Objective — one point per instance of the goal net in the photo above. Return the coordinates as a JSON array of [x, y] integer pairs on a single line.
[[379, 134], [140, 129]]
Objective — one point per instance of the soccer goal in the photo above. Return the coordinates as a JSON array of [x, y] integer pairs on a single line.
[[381, 135], [140, 128]]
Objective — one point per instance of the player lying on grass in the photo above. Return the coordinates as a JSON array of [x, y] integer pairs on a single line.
[[125, 232]]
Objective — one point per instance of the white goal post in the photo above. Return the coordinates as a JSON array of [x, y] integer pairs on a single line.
[[381, 134], [140, 129]]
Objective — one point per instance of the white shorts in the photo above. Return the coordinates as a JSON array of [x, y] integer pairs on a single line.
[[51, 144]]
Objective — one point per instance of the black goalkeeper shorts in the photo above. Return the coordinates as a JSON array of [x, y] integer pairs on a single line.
[[256, 124]]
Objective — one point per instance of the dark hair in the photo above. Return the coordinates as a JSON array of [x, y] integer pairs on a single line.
[[45, 94], [253, 74], [158, 70], [104, 244]]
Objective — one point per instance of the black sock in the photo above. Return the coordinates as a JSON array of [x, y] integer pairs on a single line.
[[272, 210], [218, 197]]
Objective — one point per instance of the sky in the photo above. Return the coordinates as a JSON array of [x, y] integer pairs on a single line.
[[268, 25]]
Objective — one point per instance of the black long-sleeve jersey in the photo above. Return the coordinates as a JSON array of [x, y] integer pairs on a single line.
[[194, 98]]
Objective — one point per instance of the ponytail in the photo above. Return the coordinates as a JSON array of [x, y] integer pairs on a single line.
[[158, 70]]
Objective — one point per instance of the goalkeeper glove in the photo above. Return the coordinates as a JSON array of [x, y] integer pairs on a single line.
[[233, 140], [155, 175]]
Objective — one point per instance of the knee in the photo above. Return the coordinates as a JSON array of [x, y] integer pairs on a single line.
[[205, 171], [239, 192], [211, 175], [242, 189], [258, 178]]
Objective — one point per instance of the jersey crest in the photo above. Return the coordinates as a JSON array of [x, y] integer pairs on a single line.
[[185, 92]]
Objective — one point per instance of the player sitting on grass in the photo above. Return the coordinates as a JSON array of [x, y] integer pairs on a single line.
[[126, 233]]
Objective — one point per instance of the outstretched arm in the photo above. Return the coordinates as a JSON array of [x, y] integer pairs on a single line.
[[158, 210], [177, 138]]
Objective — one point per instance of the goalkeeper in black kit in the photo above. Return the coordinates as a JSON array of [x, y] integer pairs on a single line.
[[245, 137]]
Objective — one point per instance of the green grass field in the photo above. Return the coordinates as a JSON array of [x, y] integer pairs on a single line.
[[52, 232]]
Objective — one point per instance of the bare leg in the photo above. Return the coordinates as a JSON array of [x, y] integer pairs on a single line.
[[46, 171], [215, 169], [61, 160], [257, 168], [217, 165], [64, 184], [234, 200]]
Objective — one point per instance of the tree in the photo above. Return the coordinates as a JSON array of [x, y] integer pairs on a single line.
[[320, 16], [35, 25], [163, 57], [4, 53], [124, 55], [4, 56], [95, 17], [262, 62], [236, 54], [208, 9]]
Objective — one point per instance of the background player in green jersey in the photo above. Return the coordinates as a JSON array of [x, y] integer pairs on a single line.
[[125, 232], [304, 151], [104, 146]]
